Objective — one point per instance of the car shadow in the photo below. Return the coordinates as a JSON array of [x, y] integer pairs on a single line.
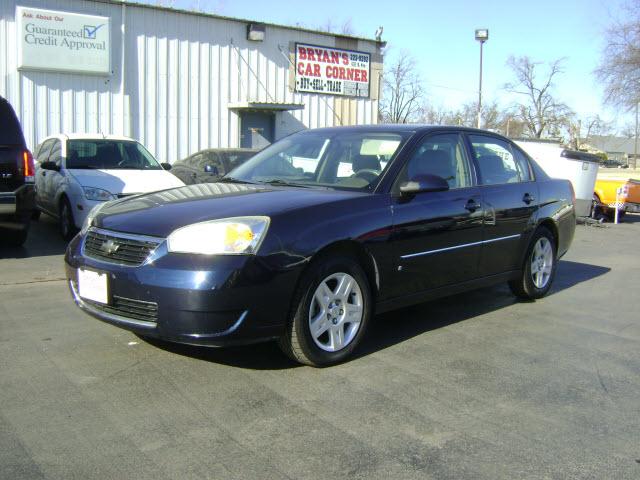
[[259, 356], [391, 328], [395, 327], [44, 239]]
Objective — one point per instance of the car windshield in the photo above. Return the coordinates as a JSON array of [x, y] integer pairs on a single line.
[[324, 158], [109, 155]]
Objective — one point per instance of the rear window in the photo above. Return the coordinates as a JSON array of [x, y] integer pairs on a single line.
[[10, 129]]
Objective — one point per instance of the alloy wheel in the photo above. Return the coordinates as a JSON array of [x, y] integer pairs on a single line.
[[336, 311], [541, 262]]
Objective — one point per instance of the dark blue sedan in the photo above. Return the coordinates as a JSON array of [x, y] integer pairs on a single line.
[[319, 231]]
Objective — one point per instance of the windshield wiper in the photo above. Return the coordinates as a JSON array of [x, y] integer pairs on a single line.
[[233, 180], [279, 181]]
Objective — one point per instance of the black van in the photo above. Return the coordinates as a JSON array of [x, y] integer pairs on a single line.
[[17, 199]]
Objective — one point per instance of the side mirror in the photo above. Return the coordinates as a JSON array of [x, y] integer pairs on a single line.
[[50, 166], [166, 166], [212, 169], [423, 183]]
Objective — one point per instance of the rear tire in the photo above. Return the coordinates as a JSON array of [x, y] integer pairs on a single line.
[[16, 238], [330, 313], [539, 267], [596, 208], [67, 225]]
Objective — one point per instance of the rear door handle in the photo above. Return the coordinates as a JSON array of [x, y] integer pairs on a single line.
[[472, 205], [528, 198]]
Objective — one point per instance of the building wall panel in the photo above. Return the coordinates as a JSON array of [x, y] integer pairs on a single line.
[[171, 80]]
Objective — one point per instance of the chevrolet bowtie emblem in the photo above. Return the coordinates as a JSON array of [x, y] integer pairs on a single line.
[[109, 247]]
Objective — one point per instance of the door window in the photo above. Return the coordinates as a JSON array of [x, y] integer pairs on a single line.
[[441, 155], [43, 152], [56, 153], [496, 162]]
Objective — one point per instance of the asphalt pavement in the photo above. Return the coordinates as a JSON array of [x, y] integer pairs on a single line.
[[475, 386]]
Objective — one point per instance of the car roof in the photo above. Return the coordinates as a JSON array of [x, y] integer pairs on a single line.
[[11, 132], [88, 136], [401, 127]]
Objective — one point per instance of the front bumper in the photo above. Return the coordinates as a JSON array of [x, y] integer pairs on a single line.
[[192, 299]]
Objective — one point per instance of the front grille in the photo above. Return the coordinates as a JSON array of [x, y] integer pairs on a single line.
[[115, 248], [128, 308]]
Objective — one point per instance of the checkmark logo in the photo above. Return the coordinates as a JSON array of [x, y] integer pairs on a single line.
[[90, 30]]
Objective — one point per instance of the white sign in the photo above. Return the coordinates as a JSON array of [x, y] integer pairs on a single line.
[[63, 41], [332, 71]]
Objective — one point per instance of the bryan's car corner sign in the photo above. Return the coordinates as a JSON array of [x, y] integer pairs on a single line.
[[332, 71], [63, 41]]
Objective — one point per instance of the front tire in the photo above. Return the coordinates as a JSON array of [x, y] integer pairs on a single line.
[[596, 208], [330, 313], [539, 267], [67, 224]]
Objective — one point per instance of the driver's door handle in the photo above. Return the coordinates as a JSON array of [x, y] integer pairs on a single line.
[[528, 198]]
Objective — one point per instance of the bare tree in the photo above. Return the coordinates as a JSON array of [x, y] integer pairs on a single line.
[[434, 115], [402, 92], [628, 130], [540, 111], [345, 29], [580, 129], [619, 68], [493, 117]]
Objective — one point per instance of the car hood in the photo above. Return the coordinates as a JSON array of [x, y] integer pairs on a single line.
[[126, 181], [160, 213]]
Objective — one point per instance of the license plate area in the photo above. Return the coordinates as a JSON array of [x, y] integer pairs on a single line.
[[93, 286]]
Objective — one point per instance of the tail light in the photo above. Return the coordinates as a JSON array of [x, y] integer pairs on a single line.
[[28, 167]]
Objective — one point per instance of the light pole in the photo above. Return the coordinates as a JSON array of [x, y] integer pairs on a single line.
[[635, 143], [482, 35]]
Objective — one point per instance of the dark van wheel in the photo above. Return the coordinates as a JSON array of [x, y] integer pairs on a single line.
[[67, 225], [539, 267], [330, 313]]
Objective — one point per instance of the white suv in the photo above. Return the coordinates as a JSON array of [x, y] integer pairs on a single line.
[[76, 172]]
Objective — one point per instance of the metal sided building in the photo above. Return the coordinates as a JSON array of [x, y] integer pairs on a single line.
[[178, 81]]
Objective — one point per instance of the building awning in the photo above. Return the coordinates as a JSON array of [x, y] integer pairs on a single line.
[[271, 106]]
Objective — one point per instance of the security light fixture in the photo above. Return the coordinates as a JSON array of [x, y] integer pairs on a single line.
[[256, 32], [482, 34]]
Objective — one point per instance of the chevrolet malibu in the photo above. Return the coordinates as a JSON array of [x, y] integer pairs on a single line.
[[310, 237]]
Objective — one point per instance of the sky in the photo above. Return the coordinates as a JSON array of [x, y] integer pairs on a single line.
[[440, 37]]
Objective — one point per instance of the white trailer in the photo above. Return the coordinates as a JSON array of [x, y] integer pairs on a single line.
[[580, 168]]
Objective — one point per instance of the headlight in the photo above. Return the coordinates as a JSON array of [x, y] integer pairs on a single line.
[[238, 235], [89, 219], [97, 194]]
